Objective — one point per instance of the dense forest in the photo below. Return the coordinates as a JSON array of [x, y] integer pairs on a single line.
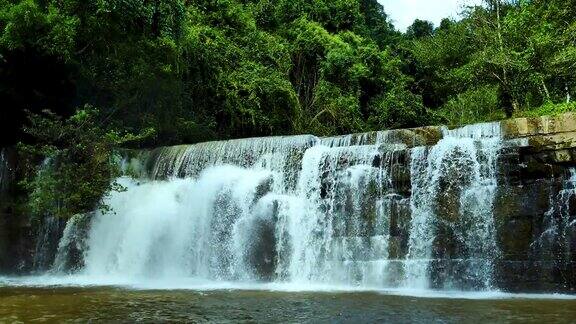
[[163, 72]]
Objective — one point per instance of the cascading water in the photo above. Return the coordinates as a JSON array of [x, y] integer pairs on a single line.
[[340, 232], [452, 228], [72, 244], [358, 210]]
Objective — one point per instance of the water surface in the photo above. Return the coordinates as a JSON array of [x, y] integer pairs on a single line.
[[105, 304]]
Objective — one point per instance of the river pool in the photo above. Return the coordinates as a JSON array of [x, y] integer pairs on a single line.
[[24, 301]]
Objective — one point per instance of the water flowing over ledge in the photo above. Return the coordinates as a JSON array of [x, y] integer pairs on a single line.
[[403, 210]]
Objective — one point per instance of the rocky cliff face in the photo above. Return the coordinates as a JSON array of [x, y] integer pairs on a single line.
[[536, 204], [14, 229], [6, 178]]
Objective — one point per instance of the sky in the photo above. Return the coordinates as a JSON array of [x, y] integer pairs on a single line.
[[404, 12]]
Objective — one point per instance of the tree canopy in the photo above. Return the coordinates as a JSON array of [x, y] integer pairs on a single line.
[[198, 70], [185, 71]]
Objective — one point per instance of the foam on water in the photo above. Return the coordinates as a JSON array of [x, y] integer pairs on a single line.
[[193, 284]]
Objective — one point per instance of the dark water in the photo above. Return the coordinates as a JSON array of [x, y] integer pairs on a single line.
[[19, 304]]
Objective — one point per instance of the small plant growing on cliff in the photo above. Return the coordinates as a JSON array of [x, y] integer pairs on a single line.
[[70, 166]]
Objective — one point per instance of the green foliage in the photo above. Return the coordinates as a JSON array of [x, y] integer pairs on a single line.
[[549, 109], [523, 48], [201, 70], [28, 24], [376, 24], [473, 106], [78, 165], [420, 29], [198, 70], [439, 64], [260, 97], [339, 111], [398, 109]]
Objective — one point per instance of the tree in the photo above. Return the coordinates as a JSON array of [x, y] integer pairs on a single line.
[[377, 25], [420, 29], [500, 58]]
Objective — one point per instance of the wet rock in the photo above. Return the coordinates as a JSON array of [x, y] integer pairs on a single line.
[[549, 140], [400, 216], [509, 166], [262, 255], [523, 201], [457, 172], [456, 274], [432, 134], [263, 188], [395, 248], [446, 244], [515, 239], [553, 142], [536, 167], [422, 136], [534, 276], [519, 213], [401, 178]]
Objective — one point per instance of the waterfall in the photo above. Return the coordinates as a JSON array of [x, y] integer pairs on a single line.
[[453, 188], [190, 160], [69, 255], [368, 210], [340, 232], [48, 237]]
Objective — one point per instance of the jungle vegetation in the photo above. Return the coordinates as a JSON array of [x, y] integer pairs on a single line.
[[197, 70]]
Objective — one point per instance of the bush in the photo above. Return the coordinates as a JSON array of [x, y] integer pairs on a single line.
[[71, 165], [548, 109]]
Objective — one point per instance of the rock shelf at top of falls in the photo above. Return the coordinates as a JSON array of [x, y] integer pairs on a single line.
[[481, 207]]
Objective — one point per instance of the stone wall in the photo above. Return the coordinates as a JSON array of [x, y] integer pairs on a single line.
[[535, 207]]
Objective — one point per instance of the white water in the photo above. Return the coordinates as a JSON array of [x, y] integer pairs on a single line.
[[453, 188], [202, 285], [233, 223], [300, 212]]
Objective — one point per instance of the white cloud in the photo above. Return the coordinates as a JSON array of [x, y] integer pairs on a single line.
[[404, 12]]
